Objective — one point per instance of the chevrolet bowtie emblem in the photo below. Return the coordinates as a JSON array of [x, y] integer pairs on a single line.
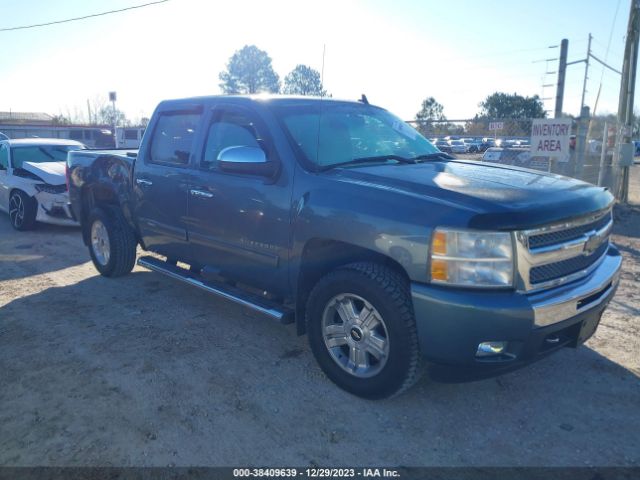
[[592, 243]]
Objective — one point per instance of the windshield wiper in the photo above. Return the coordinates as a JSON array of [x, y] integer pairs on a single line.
[[433, 156], [378, 158]]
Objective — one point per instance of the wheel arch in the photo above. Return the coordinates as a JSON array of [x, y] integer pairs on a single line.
[[321, 256], [104, 196], [14, 189]]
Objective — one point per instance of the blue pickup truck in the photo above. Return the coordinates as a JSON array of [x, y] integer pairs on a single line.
[[339, 217]]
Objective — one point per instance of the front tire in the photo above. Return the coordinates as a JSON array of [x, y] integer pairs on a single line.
[[112, 243], [362, 330], [22, 210]]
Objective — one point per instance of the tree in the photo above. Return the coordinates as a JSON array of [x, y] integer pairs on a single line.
[[515, 111], [249, 71], [106, 116], [60, 119], [303, 80], [431, 112], [503, 105]]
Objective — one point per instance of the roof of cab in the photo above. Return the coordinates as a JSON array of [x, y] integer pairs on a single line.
[[258, 98]]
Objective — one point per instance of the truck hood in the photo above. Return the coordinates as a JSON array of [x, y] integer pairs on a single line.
[[52, 173], [497, 196]]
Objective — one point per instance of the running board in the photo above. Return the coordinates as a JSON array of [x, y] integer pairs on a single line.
[[253, 302]]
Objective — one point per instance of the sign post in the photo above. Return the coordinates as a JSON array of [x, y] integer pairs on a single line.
[[495, 126], [112, 99]]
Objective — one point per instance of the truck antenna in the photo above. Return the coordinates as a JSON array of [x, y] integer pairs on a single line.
[[324, 48]]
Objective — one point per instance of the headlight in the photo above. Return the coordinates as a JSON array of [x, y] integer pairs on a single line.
[[471, 258]]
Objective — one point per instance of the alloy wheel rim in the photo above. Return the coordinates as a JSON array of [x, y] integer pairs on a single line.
[[355, 335], [16, 210], [100, 243]]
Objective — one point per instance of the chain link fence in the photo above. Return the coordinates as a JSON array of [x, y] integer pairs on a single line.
[[593, 144]]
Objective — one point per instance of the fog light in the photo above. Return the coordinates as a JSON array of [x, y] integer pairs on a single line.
[[486, 349]]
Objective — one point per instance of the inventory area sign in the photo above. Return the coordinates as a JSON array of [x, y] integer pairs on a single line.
[[550, 137]]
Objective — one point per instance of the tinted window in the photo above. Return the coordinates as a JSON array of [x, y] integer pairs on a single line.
[[230, 129], [130, 134], [173, 137]]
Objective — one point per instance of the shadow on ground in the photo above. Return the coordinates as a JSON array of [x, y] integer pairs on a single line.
[[23, 254], [146, 371]]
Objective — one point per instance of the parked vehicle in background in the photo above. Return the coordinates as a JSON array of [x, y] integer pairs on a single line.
[[129, 137], [32, 181], [91, 136], [458, 146], [594, 146], [492, 154], [487, 142], [443, 146], [473, 145], [339, 217]]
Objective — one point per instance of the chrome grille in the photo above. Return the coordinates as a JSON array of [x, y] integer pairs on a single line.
[[562, 252], [558, 236], [552, 271]]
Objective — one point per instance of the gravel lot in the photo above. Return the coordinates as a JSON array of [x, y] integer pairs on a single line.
[[145, 371]]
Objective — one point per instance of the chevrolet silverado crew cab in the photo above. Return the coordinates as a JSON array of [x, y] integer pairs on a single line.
[[339, 217]]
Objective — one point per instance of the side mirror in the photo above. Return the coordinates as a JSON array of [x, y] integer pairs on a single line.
[[247, 160]]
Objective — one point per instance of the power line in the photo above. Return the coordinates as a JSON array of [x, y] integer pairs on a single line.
[[23, 27], [606, 57], [511, 52]]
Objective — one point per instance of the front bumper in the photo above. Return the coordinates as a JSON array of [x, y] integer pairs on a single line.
[[54, 208], [452, 322]]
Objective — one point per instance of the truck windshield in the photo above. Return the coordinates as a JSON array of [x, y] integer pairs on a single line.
[[40, 154], [331, 133]]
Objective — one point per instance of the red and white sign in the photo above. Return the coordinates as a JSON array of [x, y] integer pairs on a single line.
[[550, 137], [496, 126]]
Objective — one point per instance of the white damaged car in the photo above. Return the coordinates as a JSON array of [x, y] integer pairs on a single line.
[[32, 181]]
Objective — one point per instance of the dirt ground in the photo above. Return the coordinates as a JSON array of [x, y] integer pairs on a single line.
[[145, 371]]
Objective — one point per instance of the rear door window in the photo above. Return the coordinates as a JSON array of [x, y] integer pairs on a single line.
[[173, 137]]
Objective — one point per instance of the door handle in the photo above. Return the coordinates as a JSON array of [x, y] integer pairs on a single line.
[[200, 193], [144, 183]]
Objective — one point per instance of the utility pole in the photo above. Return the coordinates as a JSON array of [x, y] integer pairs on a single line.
[[562, 70], [113, 98], [627, 93], [586, 72]]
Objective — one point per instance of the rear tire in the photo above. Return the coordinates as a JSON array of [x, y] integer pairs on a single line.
[[112, 243], [362, 330], [22, 210]]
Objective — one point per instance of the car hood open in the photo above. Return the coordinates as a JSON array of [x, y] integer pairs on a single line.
[[52, 173]]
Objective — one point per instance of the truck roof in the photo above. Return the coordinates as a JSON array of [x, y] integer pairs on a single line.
[[259, 98]]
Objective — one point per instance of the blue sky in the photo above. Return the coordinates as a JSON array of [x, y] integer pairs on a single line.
[[397, 52]]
